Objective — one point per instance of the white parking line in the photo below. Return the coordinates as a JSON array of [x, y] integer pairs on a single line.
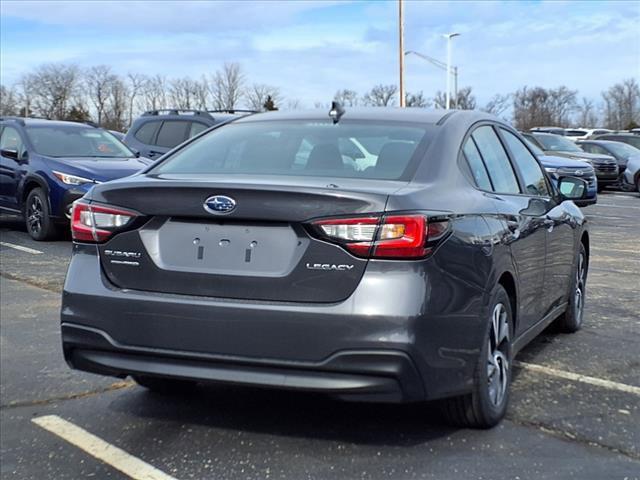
[[598, 382], [626, 207], [21, 248], [98, 448]]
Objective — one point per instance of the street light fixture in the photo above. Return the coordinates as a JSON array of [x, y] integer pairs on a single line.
[[453, 70], [449, 36]]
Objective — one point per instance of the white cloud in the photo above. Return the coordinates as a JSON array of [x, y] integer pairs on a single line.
[[311, 49]]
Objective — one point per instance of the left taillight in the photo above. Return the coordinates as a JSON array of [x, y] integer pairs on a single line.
[[97, 223], [401, 236]]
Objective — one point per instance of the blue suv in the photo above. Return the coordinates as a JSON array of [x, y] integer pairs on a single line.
[[46, 165]]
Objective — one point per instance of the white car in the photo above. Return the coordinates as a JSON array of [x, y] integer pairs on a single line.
[[631, 174], [584, 133]]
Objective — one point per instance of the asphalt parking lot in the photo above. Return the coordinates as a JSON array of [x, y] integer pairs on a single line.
[[574, 413]]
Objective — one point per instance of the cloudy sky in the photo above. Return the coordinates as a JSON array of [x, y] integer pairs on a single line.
[[310, 49]]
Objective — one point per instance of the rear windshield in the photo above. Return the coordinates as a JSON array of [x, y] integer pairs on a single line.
[[303, 148], [556, 143], [76, 141]]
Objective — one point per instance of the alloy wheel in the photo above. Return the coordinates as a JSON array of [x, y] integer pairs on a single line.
[[579, 288], [497, 357], [35, 214]]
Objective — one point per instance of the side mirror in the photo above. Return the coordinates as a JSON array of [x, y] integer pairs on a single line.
[[9, 153], [572, 188]]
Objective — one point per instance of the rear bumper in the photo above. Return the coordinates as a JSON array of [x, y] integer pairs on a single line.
[[383, 376], [407, 334]]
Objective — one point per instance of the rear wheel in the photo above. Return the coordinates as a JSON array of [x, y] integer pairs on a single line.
[[571, 319], [38, 217], [486, 405], [164, 385]]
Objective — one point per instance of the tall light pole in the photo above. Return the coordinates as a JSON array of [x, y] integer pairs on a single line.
[[449, 36], [401, 57], [439, 64]]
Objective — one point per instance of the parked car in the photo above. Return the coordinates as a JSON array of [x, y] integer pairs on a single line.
[[628, 138], [631, 177], [45, 165], [554, 130], [418, 277], [117, 134], [605, 166], [622, 152], [584, 133], [557, 167], [156, 132]]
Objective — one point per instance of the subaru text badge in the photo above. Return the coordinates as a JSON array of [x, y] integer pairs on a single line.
[[219, 204]]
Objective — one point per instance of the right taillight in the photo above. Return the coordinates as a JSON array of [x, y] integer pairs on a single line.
[[97, 223], [405, 236]]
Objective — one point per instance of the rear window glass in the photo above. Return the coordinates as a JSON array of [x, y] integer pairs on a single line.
[[313, 148], [172, 133], [146, 132]]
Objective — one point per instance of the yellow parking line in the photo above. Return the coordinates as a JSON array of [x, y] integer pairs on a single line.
[[98, 448]]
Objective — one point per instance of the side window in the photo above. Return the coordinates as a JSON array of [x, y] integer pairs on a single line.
[[478, 169], [529, 167], [147, 132], [196, 128], [172, 133], [586, 147], [598, 149], [10, 140], [495, 158]]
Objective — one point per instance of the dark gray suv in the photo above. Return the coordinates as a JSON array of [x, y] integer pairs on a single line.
[[156, 132], [394, 255]]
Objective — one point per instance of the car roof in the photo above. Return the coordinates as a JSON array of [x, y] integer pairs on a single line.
[[612, 134], [392, 114], [42, 122]]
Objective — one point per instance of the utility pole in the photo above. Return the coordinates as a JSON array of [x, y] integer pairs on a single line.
[[401, 56], [449, 36]]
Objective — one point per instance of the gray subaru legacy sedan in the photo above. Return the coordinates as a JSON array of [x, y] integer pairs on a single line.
[[391, 255]]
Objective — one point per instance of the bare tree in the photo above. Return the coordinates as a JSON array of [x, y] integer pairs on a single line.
[[381, 96], [346, 97], [497, 105], [587, 115], [294, 104], [9, 101], [201, 94], [622, 104], [51, 87], [417, 100], [257, 94], [137, 84], [155, 93], [226, 86], [538, 106], [465, 100], [115, 115], [97, 82], [183, 93]]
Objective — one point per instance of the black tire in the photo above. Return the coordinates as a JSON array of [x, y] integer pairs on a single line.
[[38, 217], [571, 320], [164, 385], [600, 188], [485, 406]]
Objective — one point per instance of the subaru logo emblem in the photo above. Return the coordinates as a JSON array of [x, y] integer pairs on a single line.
[[219, 204]]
